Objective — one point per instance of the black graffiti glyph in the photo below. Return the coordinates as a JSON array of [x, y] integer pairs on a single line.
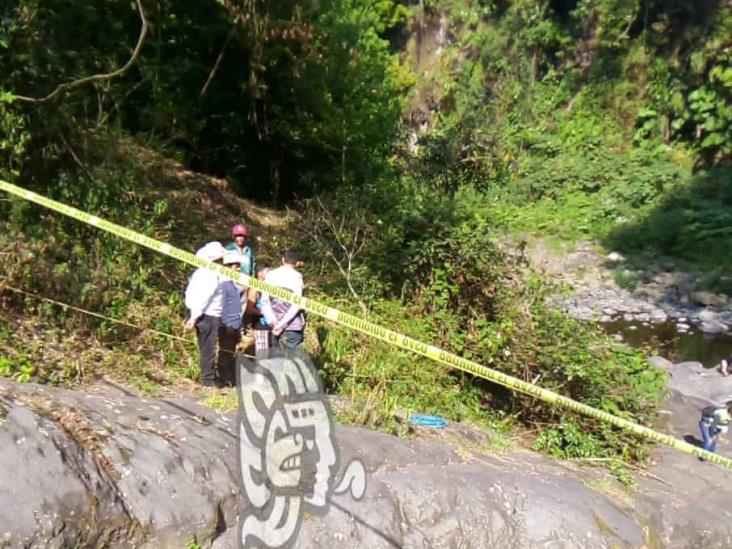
[[287, 452]]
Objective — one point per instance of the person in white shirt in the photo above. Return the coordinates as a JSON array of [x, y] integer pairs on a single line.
[[724, 365], [287, 320], [230, 327], [204, 299]]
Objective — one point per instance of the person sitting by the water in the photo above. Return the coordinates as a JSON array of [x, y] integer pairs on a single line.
[[230, 328], [713, 424], [724, 365]]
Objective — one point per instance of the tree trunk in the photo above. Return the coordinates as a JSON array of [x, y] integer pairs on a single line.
[[343, 154], [275, 162]]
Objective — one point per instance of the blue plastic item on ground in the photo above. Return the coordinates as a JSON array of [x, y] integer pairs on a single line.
[[438, 422]]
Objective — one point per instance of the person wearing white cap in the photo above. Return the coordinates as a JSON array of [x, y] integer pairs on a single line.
[[230, 327], [204, 299]]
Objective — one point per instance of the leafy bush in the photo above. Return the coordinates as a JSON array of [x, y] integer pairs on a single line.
[[626, 279], [692, 222], [451, 285]]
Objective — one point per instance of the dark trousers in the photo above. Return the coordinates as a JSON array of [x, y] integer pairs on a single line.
[[290, 339], [248, 320], [228, 340], [207, 330]]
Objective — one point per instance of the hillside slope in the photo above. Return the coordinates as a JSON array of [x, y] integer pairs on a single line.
[[52, 257]]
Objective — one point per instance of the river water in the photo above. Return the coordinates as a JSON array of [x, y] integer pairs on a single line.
[[672, 344]]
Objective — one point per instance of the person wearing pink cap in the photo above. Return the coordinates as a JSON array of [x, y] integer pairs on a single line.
[[240, 234]]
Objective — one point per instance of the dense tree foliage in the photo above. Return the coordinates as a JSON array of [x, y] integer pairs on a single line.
[[584, 118], [280, 97], [284, 97]]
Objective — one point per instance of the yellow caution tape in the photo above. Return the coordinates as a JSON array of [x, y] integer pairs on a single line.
[[4, 287], [371, 329]]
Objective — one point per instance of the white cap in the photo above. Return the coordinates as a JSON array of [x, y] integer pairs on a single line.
[[211, 251], [232, 256]]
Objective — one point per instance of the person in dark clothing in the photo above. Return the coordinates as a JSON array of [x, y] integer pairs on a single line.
[[230, 326], [240, 245], [240, 236]]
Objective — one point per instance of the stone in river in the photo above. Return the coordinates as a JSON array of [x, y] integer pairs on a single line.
[[712, 327], [708, 315], [709, 298]]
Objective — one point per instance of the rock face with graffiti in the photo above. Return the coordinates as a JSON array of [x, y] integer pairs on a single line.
[[287, 451], [105, 467]]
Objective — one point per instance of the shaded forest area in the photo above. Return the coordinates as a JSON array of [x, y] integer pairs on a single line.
[[280, 97], [289, 97]]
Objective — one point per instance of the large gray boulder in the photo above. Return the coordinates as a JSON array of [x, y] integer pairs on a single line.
[[92, 469], [428, 495], [695, 386], [108, 468], [53, 490], [688, 502]]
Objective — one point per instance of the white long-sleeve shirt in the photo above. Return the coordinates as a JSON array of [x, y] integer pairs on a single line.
[[204, 294], [281, 312]]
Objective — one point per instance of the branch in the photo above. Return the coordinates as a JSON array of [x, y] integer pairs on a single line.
[[97, 77], [117, 104], [77, 159], [316, 233], [220, 58], [347, 277]]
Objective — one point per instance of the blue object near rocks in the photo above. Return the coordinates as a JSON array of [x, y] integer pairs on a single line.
[[437, 422]]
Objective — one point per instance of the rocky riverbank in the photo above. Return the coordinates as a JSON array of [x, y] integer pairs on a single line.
[[656, 301], [601, 287]]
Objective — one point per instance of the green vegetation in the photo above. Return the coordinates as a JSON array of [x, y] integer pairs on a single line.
[[443, 279], [626, 279], [409, 137], [606, 119]]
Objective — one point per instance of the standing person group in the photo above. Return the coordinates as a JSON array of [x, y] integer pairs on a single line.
[[221, 310]]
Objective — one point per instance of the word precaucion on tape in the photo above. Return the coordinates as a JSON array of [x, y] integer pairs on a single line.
[[369, 328]]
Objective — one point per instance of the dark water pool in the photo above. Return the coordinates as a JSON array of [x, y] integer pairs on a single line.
[[676, 346]]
